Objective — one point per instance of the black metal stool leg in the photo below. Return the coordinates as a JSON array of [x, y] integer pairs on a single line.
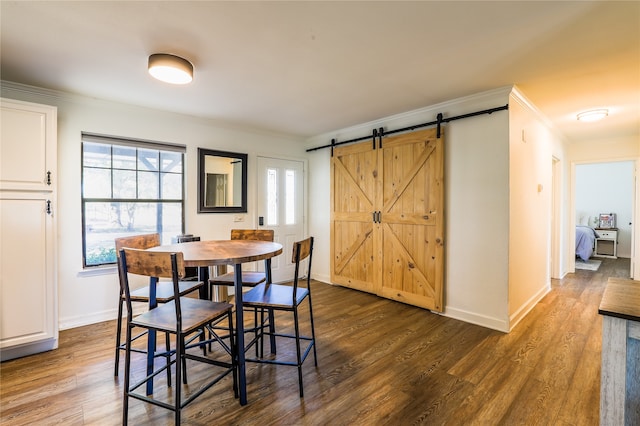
[[118, 335]]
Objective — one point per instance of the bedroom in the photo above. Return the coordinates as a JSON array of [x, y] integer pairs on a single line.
[[603, 188]]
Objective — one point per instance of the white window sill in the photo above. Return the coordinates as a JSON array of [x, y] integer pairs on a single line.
[[101, 270]]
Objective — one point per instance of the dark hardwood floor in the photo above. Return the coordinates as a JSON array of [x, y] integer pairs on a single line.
[[379, 363]]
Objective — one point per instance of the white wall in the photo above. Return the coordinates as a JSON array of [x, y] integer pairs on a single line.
[[86, 298], [607, 188], [477, 204], [533, 146]]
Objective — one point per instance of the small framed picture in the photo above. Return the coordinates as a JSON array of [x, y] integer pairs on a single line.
[[607, 220]]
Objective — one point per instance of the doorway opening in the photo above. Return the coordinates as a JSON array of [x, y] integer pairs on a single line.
[[607, 188]]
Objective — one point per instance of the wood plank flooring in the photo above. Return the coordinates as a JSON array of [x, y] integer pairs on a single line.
[[379, 363]]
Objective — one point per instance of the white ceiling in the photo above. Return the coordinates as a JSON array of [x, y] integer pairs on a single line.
[[306, 68]]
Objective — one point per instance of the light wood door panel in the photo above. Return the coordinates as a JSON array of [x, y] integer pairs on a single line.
[[412, 220], [354, 187], [387, 224]]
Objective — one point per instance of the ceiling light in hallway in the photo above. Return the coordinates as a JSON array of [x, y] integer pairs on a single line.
[[593, 115]]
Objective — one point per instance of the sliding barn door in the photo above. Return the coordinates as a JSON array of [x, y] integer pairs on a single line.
[[355, 252], [412, 223], [387, 224]]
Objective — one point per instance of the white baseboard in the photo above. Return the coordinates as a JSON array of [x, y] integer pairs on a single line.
[[321, 277], [477, 319], [108, 315], [497, 323], [523, 310], [28, 349]]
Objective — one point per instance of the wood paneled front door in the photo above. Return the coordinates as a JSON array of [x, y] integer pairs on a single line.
[[387, 223]]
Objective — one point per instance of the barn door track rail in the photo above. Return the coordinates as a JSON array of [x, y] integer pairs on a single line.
[[379, 133]]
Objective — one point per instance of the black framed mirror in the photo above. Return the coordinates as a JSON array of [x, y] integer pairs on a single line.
[[222, 181]]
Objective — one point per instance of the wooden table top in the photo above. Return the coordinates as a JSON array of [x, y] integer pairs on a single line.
[[621, 299], [223, 252]]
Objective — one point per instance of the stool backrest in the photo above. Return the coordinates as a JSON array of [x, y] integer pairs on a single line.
[[190, 273], [154, 265], [186, 238], [144, 241], [252, 234], [302, 250]]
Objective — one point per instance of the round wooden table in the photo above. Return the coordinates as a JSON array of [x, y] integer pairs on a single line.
[[228, 252]]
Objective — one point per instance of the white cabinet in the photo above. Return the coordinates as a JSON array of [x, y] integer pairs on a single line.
[[607, 243], [28, 275]]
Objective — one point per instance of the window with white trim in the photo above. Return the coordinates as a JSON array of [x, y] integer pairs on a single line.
[[129, 187]]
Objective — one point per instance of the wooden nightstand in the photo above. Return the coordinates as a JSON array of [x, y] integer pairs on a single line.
[[607, 244]]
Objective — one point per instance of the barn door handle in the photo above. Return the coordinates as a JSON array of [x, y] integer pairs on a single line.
[[376, 217]]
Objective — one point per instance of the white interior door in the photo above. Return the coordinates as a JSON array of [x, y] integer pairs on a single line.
[[281, 208]]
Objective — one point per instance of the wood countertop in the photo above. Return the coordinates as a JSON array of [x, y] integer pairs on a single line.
[[621, 299]]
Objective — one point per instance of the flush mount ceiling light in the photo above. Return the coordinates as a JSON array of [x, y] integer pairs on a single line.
[[170, 68], [593, 115]]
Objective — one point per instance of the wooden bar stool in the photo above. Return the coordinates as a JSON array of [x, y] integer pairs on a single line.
[[249, 278], [164, 289], [183, 317], [280, 297]]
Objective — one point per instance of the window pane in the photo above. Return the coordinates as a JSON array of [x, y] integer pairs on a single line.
[[171, 221], [148, 185], [96, 155], [272, 197], [124, 184], [99, 217], [171, 186], [106, 221], [171, 162], [145, 216], [103, 223], [124, 157], [290, 197], [148, 159], [96, 183]]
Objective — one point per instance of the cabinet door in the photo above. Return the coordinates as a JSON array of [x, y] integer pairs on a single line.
[[412, 220], [27, 261], [27, 146], [355, 252]]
